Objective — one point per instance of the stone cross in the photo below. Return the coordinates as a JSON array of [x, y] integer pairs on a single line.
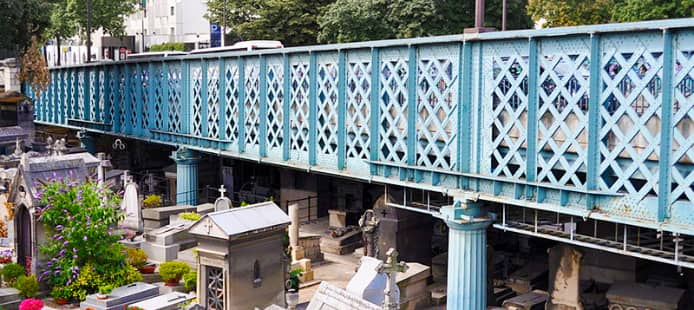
[[222, 202], [151, 183], [392, 267], [222, 190]]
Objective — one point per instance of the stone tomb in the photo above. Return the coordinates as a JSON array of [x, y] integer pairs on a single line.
[[159, 217], [170, 301], [341, 241], [413, 286], [164, 243], [9, 298], [121, 297], [241, 261], [534, 300], [639, 296], [330, 297]]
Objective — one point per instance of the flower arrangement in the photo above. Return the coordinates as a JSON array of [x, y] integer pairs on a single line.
[[84, 250], [190, 216], [6, 256], [31, 304], [172, 272], [152, 201]]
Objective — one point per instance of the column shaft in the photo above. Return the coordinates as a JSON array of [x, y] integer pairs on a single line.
[[467, 266]]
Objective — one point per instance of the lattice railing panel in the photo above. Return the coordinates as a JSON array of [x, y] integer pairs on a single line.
[[196, 100], [102, 96], [631, 72], [506, 102], [683, 119], [80, 94], [145, 82], [252, 103], [358, 105], [231, 79], [122, 89], [212, 100], [563, 111], [175, 104], [159, 97], [326, 101], [275, 101], [437, 107], [393, 105], [299, 107], [135, 83], [112, 96], [93, 95]]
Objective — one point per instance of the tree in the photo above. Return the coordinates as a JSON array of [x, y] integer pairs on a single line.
[[63, 23], [579, 12], [357, 20], [20, 21], [291, 21]]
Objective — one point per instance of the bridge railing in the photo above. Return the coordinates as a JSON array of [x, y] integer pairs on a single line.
[[583, 118]]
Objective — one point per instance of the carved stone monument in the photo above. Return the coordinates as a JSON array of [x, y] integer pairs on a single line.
[[369, 225]]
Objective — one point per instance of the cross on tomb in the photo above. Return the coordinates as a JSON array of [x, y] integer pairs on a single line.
[[222, 190], [151, 183], [391, 267]]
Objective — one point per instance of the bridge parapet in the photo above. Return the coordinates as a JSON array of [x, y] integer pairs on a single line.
[[592, 121]]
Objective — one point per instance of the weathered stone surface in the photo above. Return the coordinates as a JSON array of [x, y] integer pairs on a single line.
[[564, 283], [639, 296], [311, 246], [534, 300], [413, 286], [122, 296], [528, 278], [329, 297], [170, 301], [9, 298], [342, 244], [337, 218]]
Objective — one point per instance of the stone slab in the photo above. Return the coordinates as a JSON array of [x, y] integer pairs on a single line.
[[170, 301], [529, 301], [161, 253], [8, 294], [331, 297], [163, 213], [529, 277], [122, 297], [337, 218], [630, 294]]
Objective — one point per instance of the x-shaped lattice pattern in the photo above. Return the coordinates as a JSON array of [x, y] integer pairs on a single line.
[[111, 95], [80, 94], [327, 108], [231, 74], [121, 103], [158, 84], [683, 120], [436, 113], [102, 96], [562, 111], [215, 288], [213, 101], [93, 95], [174, 99], [630, 112], [275, 101], [509, 106], [196, 92], [252, 104], [394, 110], [358, 109], [134, 85], [145, 77], [298, 120]]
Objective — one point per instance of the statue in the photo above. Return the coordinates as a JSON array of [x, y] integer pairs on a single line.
[[368, 224]]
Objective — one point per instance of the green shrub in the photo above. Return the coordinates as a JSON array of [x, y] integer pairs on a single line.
[[28, 286], [293, 282], [91, 278], [11, 272], [190, 280], [60, 292], [136, 257], [152, 201], [190, 216], [172, 46], [105, 289], [173, 270]]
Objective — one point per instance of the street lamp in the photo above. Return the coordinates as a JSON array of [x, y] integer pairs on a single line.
[[89, 31]]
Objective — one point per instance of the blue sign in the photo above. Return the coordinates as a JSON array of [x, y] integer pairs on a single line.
[[215, 35]]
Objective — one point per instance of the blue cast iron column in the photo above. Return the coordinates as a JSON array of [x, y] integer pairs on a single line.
[[186, 176], [467, 255]]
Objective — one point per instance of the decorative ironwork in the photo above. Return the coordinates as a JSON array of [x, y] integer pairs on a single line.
[[214, 283], [252, 104], [394, 106], [275, 100], [212, 100], [299, 108], [327, 106], [231, 78]]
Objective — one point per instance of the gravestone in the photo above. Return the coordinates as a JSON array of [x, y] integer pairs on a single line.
[[331, 297], [121, 297], [163, 244], [222, 203], [131, 206], [408, 231], [159, 217], [9, 298], [170, 301], [534, 300], [369, 283]]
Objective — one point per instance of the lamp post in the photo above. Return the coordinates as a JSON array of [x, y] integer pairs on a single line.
[[224, 23], [89, 31]]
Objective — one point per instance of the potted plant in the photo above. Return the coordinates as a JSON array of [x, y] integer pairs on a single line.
[[61, 295], [6, 256], [138, 259], [152, 201], [104, 290], [172, 272], [292, 287]]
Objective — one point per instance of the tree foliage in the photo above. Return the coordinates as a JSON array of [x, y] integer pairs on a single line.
[[33, 69], [22, 20], [291, 21], [171, 46], [108, 15], [356, 20], [579, 12]]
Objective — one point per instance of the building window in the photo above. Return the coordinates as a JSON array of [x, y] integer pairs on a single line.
[[257, 280], [172, 11]]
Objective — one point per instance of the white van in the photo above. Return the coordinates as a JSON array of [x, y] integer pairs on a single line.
[[149, 55]]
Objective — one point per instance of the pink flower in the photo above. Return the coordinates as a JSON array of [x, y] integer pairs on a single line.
[[31, 304]]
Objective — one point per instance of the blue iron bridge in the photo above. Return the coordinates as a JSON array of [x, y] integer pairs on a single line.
[[592, 121]]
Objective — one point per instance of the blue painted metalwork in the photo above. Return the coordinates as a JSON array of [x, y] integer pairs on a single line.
[[186, 176], [570, 120]]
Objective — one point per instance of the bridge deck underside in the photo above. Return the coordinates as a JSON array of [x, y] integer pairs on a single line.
[[593, 121]]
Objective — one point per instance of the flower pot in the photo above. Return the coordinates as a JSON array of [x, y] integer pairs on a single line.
[[173, 282], [101, 296], [60, 301], [5, 260], [148, 269], [292, 298]]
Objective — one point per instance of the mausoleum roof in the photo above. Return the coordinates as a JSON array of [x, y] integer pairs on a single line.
[[248, 219]]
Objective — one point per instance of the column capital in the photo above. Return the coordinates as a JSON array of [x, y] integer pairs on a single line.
[[185, 156], [466, 214]]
